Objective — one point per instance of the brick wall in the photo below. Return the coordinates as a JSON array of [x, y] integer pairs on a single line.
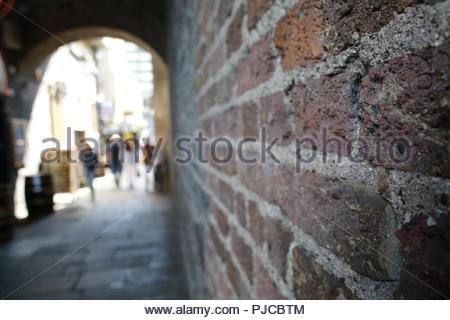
[[347, 226]]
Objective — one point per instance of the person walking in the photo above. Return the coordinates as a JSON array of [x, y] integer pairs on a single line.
[[130, 163], [89, 159], [148, 151], [116, 158]]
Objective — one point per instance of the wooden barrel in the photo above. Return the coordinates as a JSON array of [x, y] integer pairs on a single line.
[[6, 211], [39, 195]]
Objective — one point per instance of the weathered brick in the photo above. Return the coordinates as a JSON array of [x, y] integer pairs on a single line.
[[327, 104], [226, 195], [298, 35], [225, 10], [244, 253], [311, 281], [265, 287], [218, 245], [241, 209], [201, 80], [206, 128], [258, 66], [275, 117], [205, 14], [221, 218], [220, 92], [224, 287], [236, 281], [278, 239], [238, 122], [200, 55], [229, 123], [211, 285], [257, 176], [216, 280], [409, 98], [226, 87], [232, 272], [234, 37], [347, 20], [425, 271], [250, 119], [218, 57], [255, 10], [356, 225], [256, 222], [224, 159], [405, 97]]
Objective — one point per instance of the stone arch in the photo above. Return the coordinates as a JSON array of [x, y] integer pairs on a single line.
[[37, 54]]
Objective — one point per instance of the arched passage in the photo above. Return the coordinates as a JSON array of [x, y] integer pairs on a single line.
[[36, 55], [136, 255]]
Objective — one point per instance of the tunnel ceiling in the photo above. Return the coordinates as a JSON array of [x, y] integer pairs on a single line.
[[145, 19]]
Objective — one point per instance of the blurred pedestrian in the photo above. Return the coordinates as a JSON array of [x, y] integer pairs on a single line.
[[116, 158], [130, 163], [89, 159], [148, 151]]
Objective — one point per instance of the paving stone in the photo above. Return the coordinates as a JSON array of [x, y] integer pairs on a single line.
[[81, 256]]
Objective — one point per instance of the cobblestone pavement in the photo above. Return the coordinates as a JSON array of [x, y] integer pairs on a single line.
[[122, 247]]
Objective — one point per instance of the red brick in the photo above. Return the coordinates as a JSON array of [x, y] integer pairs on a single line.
[[238, 122], [298, 35], [203, 104], [311, 281], [257, 176], [255, 10], [236, 280], [258, 66], [241, 209], [226, 124], [346, 17], [250, 120], [327, 103], [218, 57], [256, 222], [409, 97], [220, 92], [221, 218], [224, 288], [223, 153], [232, 272], [357, 226], [279, 239], [265, 287], [200, 55], [218, 245], [216, 280], [201, 80], [234, 37], [226, 195], [205, 14], [206, 128], [276, 118], [426, 241], [225, 10], [244, 253]]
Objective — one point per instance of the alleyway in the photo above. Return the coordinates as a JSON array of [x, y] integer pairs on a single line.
[[124, 247]]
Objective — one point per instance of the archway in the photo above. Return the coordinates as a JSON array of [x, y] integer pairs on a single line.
[[145, 230], [161, 98], [40, 52]]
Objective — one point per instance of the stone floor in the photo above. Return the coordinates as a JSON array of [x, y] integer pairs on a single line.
[[122, 247]]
